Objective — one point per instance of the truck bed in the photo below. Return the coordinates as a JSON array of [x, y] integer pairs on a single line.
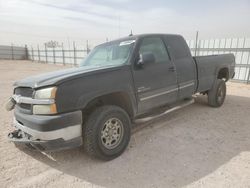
[[208, 67]]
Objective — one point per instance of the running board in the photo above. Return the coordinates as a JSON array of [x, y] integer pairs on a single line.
[[179, 106]]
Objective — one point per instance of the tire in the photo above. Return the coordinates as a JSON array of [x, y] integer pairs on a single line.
[[217, 95], [102, 124]]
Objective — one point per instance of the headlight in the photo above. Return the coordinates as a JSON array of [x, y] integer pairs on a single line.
[[47, 93]]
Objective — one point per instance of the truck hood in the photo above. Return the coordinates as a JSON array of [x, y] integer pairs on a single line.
[[56, 77]]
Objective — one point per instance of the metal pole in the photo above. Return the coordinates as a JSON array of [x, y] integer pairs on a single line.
[[38, 50], [46, 55], [63, 55], [87, 46], [196, 43], [32, 51], [243, 46], [26, 52], [236, 52], [203, 46], [54, 58], [74, 48], [219, 46], [12, 52], [69, 51], [248, 79], [237, 44], [225, 44], [208, 46], [198, 48], [231, 43], [213, 47]]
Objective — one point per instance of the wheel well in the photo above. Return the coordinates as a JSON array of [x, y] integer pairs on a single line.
[[223, 74], [118, 99]]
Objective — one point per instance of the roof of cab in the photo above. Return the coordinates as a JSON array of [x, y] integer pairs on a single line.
[[141, 36]]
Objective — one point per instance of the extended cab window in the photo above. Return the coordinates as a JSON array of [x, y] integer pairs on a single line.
[[178, 47], [155, 46]]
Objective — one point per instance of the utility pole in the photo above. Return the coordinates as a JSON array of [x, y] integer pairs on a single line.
[[196, 43]]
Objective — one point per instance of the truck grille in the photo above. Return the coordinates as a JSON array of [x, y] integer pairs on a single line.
[[25, 92], [25, 106]]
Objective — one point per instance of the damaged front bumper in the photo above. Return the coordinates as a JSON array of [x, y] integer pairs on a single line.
[[48, 133], [19, 137]]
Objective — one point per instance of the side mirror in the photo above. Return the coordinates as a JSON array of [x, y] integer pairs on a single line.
[[146, 58]]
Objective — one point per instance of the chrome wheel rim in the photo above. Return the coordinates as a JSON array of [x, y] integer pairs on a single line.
[[112, 133]]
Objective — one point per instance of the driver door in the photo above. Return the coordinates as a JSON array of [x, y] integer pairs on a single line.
[[155, 82]]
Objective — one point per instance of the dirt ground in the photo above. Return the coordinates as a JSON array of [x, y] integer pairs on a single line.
[[197, 146]]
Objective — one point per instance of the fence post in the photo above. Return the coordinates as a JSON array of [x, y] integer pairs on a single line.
[[219, 46], [231, 44], [32, 51], [196, 43], [198, 48], [74, 48], [213, 46], [54, 58], [243, 46], [248, 78], [87, 47], [237, 45], [12, 52], [203, 47], [63, 54], [46, 55], [225, 45], [38, 50], [208, 47], [26, 52]]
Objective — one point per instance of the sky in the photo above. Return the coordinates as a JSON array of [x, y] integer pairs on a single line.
[[34, 22]]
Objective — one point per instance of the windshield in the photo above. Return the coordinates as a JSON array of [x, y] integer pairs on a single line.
[[114, 53]]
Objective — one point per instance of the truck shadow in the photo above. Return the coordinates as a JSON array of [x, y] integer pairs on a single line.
[[172, 151]]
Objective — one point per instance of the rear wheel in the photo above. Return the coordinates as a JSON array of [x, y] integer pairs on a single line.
[[107, 132], [217, 95]]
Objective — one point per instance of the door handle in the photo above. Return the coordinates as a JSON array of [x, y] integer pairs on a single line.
[[172, 69]]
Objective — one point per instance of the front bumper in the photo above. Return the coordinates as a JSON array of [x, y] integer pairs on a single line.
[[48, 132]]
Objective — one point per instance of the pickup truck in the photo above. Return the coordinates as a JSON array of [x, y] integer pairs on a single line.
[[94, 105]]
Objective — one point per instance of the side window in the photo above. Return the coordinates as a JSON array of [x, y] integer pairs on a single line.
[[155, 46], [179, 47]]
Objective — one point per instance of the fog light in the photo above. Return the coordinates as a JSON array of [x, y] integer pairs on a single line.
[[45, 109]]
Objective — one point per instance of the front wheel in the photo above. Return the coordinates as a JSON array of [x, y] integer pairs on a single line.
[[106, 132], [217, 95]]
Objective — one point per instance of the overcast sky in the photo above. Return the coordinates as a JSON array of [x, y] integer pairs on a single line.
[[37, 21]]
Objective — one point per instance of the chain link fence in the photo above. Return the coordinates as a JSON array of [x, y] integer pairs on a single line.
[[13, 52], [240, 47]]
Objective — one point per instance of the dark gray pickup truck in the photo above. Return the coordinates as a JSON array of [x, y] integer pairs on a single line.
[[120, 81]]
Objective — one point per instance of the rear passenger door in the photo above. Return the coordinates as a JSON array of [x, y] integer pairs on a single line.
[[185, 65], [156, 82]]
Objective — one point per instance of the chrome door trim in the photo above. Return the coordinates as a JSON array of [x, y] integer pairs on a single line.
[[184, 85], [158, 94]]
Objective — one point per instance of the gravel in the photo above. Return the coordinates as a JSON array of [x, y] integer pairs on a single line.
[[197, 146]]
